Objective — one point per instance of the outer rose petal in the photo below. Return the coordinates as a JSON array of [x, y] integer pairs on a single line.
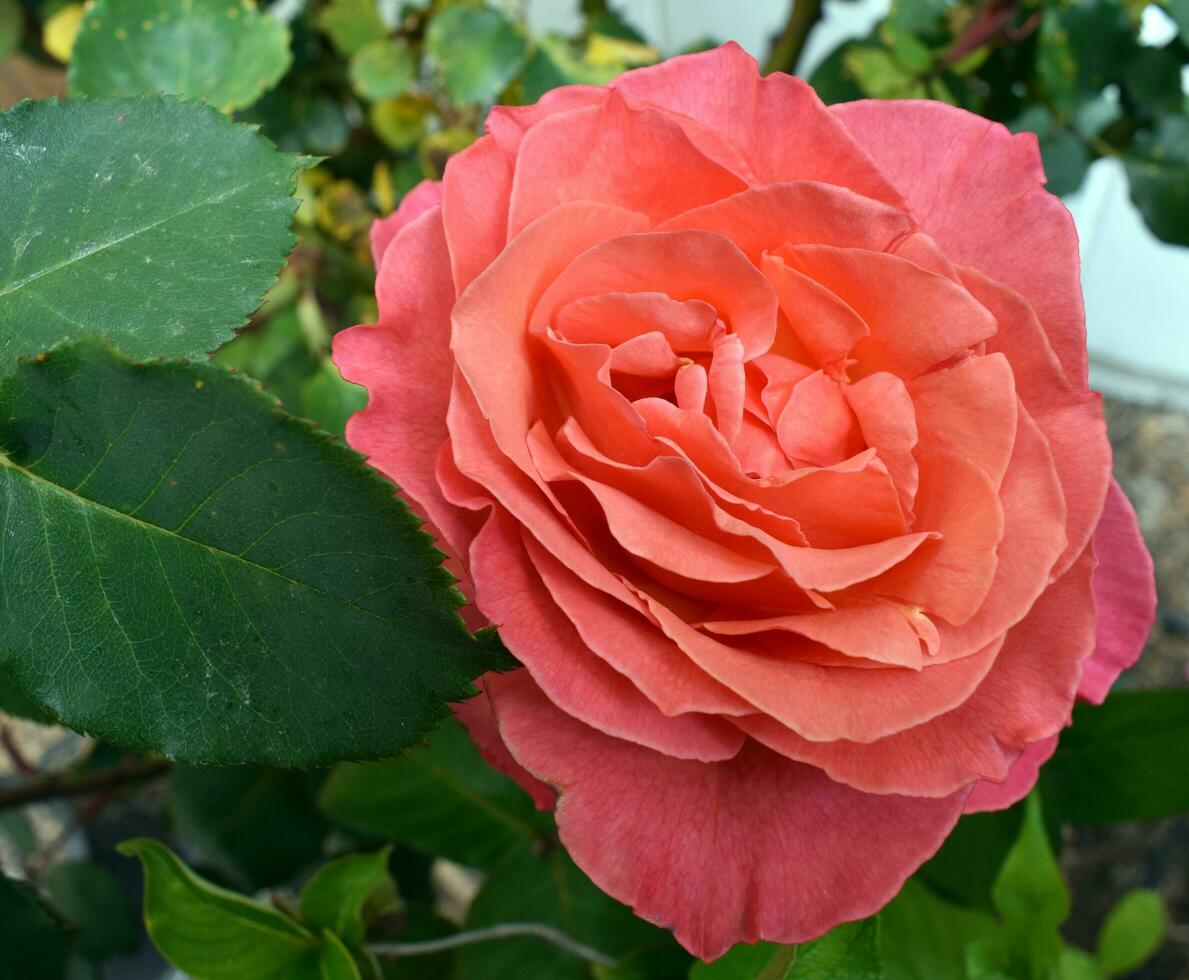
[[778, 124], [404, 361], [977, 189], [757, 847], [420, 199], [1020, 779], [479, 718], [1124, 593]]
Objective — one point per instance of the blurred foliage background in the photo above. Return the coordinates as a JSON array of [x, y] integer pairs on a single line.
[[383, 92]]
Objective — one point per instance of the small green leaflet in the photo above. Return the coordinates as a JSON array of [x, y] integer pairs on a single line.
[[158, 223], [187, 569], [224, 51], [1132, 932], [211, 933], [335, 898]]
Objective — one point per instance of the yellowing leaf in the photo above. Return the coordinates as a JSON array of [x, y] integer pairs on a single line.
[[60, 31]]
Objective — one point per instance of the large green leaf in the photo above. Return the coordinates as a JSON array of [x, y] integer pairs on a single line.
[[224, 51], [553, 891], [33, 944], [214, 934], [189, 570], [93, 901], [756, 961], [14, 701], [441, 798], [477, 51], [158, 223], [926, 937], [1158, 168], [259, 826], [1125, 760]]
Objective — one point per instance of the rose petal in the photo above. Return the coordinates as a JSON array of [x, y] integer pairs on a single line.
[[977, 189], [793, 853], [1124, 595], [420, 199]]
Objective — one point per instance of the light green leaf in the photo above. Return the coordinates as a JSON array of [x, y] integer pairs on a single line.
[[768, 961], [335, 897], [33, 944], [224, 51], [1032, 899], [92, 899], [191, 571], [382, 69], [258, 826], [881, 76], [477, 51], [1030, 891], [1077, 965], [214, 934], [1125, 760], [351, 24], [335, 961], [158, 223], [852, 950], [1133, 931], [441, 798]]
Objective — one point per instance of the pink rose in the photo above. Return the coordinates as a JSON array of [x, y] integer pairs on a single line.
[[761, 430]]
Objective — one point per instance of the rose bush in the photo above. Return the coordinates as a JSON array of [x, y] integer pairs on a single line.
[[761, 431]]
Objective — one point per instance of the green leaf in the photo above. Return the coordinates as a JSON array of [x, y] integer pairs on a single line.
[[351, 24], [259, 826], [1125, 760], [965, 869], [1031, 897], [14, 701], [553, 891], [335, 961], [158, 223], [441, 798], [329, 400], [92, 899], [223, 51], [1029, 889], [477, 51], [190, 570], [382, 69], [33, 944], [335, 897], [881, 76], [1077, 965], [925, 936], [905, 48], [1158, 167], [214, 934], [852, 950], [1133, 931], [768, 961]]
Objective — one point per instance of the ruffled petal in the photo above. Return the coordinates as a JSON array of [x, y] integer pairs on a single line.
[[1124, 595], [420, 199], [978, 190], [766, 848]]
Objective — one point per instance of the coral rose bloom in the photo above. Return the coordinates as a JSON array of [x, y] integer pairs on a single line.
[[761, 431]]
